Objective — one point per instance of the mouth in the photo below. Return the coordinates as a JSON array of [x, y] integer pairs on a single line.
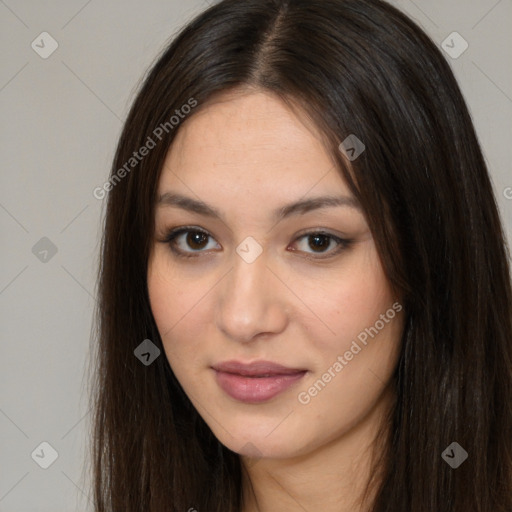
[[256, 382]]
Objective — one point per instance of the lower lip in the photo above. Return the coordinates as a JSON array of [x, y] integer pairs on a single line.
[[255, 390]]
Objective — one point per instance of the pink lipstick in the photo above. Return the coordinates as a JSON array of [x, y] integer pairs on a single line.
[[255, 382]]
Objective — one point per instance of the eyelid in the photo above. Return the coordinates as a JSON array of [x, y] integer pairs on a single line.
[[342, 243], [173, 233]]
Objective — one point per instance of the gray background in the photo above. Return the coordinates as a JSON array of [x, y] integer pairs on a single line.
[[61, 117]]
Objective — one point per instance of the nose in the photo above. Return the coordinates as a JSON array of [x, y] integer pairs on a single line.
[[250, 301]]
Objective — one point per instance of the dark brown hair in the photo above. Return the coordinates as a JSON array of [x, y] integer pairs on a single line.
[[354, 67]]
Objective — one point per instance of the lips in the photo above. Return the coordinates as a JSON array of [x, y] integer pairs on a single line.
[[255, 382]]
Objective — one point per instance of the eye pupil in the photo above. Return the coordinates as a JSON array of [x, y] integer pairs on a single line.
[[195, 239], [321, 242]]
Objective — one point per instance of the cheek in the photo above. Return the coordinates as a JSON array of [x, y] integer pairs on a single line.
[[165, 297], [173, 295], [180, 310], [354, 364], [352, 300], [171, 300]]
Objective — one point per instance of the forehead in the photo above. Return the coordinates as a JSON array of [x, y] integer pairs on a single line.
[[247, 140]]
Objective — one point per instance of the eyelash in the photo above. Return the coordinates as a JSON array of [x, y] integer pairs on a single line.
[[172, 234]]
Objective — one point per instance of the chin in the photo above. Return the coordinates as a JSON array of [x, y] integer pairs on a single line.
[[272, 442]]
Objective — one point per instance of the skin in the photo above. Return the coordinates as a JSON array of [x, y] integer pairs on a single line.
[[247, 154]]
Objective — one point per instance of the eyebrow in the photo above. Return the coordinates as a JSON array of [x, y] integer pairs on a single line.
[[300, 207]]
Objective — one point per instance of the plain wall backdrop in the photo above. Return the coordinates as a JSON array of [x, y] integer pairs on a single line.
[[62, 113]]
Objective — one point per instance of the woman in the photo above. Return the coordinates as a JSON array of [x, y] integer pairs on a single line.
[[305, 298]]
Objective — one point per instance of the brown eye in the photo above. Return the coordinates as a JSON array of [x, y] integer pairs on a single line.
[[320, 243], [184, 242], [196, 239]]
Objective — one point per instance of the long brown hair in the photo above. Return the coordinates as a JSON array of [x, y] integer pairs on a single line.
[[355, 67]]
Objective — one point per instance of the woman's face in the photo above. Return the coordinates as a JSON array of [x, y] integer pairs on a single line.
[[276, 276]]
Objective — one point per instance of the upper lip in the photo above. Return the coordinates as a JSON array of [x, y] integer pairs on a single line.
[[256, 368]]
